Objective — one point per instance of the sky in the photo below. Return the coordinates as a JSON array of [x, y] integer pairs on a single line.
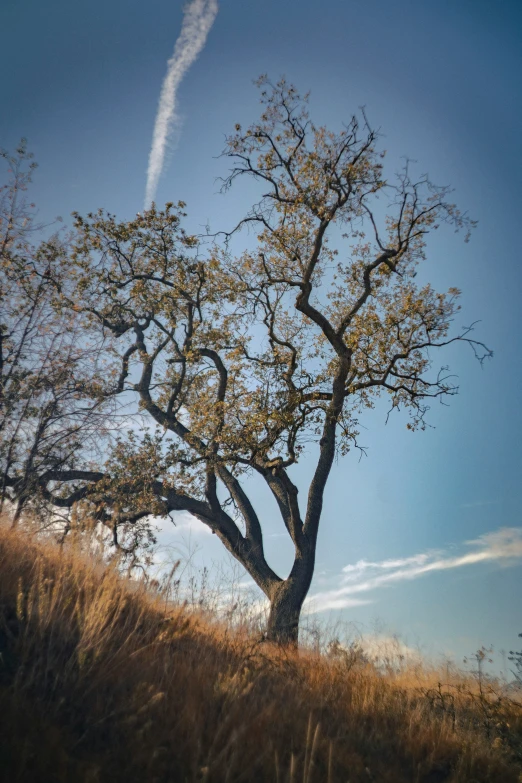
[[424, 535]]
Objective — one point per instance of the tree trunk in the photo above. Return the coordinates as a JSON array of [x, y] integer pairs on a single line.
[[285, 609]]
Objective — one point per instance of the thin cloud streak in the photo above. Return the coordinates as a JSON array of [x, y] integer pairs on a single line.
[[198, 18], [322, 602], [504, 545]]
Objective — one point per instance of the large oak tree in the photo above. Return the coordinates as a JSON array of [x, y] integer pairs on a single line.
[[242, 363]]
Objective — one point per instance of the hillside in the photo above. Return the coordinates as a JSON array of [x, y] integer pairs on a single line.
[[100, 682]]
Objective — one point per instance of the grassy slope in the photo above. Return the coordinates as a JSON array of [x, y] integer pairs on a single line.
[[100, 683]]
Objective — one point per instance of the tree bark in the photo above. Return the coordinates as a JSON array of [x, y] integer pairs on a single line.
[[287, 598], [283, 619]]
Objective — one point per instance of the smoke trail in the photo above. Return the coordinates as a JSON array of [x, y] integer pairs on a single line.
[[198, 18]]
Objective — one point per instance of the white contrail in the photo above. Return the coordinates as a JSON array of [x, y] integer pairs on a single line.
[[198, 18]]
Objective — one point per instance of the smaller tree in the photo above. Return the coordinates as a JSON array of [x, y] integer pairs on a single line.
[[51, 413]]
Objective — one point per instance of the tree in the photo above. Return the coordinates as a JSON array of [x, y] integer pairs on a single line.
[[241, 363], [51, 413]]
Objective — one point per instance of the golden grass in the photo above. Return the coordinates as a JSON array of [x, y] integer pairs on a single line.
[[101, 682]]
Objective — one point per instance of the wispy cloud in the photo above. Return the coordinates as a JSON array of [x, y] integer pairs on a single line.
[[504, 545], [198, 18], [332, 599], [183, 530], [185, 524]]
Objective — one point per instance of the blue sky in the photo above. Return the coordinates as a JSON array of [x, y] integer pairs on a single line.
[[443, 81]]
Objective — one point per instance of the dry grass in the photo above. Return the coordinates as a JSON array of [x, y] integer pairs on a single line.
[[100, 682]]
